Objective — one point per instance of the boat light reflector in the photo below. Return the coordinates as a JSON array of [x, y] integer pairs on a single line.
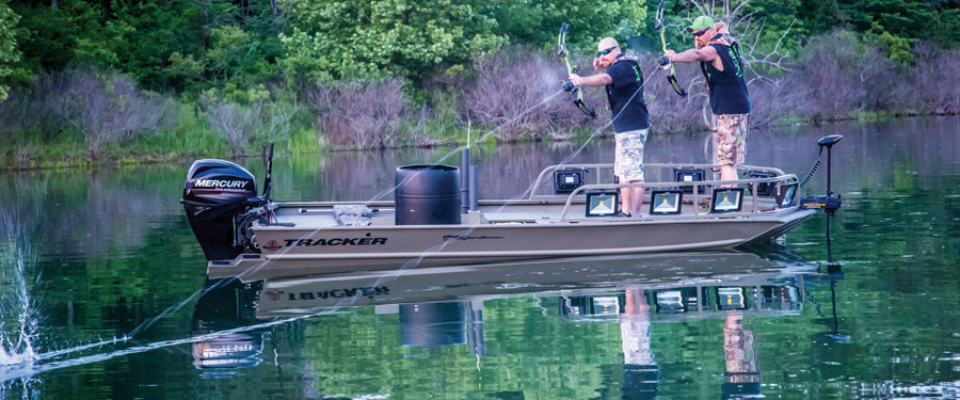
[[788, 196], [665, 202], [727, 200], [606, 305], [730, 298], [670, 302], [603, 203]]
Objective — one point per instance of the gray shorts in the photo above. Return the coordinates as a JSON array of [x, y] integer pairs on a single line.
[[629, 162]]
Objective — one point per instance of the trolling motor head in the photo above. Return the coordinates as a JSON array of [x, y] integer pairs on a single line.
[[829, 141]]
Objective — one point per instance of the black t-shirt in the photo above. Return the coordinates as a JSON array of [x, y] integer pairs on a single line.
[[626, 93], [728, 88]]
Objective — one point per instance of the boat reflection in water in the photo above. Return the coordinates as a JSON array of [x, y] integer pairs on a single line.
[[444, 306], [761, 293], [223, 308]]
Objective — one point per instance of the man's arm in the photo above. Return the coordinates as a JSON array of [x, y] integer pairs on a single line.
[[705, 54], [601, 79]]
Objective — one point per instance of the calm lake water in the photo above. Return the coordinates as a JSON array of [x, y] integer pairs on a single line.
[[101, 282]]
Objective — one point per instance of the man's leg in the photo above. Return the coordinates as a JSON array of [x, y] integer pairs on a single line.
[[637, 199], [731, 144], [625, 198], [629, 167], [631, 198]]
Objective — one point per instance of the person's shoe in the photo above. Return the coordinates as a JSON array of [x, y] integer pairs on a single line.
[[621, 214]]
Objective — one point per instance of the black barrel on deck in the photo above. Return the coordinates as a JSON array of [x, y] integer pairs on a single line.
[[428, 195]]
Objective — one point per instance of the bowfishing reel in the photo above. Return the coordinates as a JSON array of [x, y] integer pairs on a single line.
[[569, 87], [665, 62]]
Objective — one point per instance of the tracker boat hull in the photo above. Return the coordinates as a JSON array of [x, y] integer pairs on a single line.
[[338, 249]]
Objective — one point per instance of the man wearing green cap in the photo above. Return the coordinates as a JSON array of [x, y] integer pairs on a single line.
[[720, 61]]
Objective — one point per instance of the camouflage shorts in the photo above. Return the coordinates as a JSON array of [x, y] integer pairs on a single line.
[[731, 144], [629, 162]]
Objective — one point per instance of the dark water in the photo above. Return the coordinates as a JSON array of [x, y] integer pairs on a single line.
[[101, 276]]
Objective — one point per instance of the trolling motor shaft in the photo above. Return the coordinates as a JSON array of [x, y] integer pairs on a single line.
[[829, 203]]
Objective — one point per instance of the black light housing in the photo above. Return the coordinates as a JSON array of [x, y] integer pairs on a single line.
[[566, 180], [688, 175], [727, 200], [763, 188], [666, 202], [603, 203]]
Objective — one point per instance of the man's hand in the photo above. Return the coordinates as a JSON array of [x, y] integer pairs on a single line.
[[597, 64], [576, 79], [670, 54]]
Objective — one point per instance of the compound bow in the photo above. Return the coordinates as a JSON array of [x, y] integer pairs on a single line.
[[665, 61], [568, 86]]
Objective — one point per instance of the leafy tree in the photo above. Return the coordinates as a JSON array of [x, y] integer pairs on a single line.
[[375, 39], [8, 44], [536, 22], [820, 16]]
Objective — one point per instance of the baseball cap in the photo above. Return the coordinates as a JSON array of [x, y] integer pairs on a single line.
[[701, 22]]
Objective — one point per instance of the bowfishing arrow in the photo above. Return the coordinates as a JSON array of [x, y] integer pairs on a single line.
[[568, 85], [665, 61]]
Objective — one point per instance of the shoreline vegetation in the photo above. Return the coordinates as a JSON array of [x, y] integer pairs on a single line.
[[257, 75]]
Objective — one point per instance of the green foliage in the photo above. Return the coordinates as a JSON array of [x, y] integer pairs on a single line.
[[938, 21], [370, 39], [8, 44], [775, 18], [819, 16], [536, 22], [898, 48]]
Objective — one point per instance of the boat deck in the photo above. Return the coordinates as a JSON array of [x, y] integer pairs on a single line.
[[321, 214]]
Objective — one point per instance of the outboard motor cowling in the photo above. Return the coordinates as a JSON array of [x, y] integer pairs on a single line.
[[214, 194]]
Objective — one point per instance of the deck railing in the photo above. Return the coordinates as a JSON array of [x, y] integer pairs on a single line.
[[699, 189]]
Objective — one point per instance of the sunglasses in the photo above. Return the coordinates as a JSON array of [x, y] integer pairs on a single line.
[[700, 32], [601, 53]]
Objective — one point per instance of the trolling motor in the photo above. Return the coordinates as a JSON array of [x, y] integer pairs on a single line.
[[829, 202], [221, 203]]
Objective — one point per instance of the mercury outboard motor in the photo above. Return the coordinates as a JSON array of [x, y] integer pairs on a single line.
[[215, 194]]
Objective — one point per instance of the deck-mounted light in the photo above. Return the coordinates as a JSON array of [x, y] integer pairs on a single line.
[[665, 202], [566, 180], [727, 200], [603, 203], [788, 196], [763, 188], [688, 175]]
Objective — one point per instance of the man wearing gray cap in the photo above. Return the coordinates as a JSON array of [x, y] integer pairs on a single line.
[[721, 63], [623, 80]]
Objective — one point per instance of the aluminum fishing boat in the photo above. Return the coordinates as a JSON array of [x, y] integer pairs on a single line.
[[437, 220]]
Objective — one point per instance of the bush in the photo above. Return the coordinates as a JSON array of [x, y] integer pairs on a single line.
[[364, 114], [107, 108]]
